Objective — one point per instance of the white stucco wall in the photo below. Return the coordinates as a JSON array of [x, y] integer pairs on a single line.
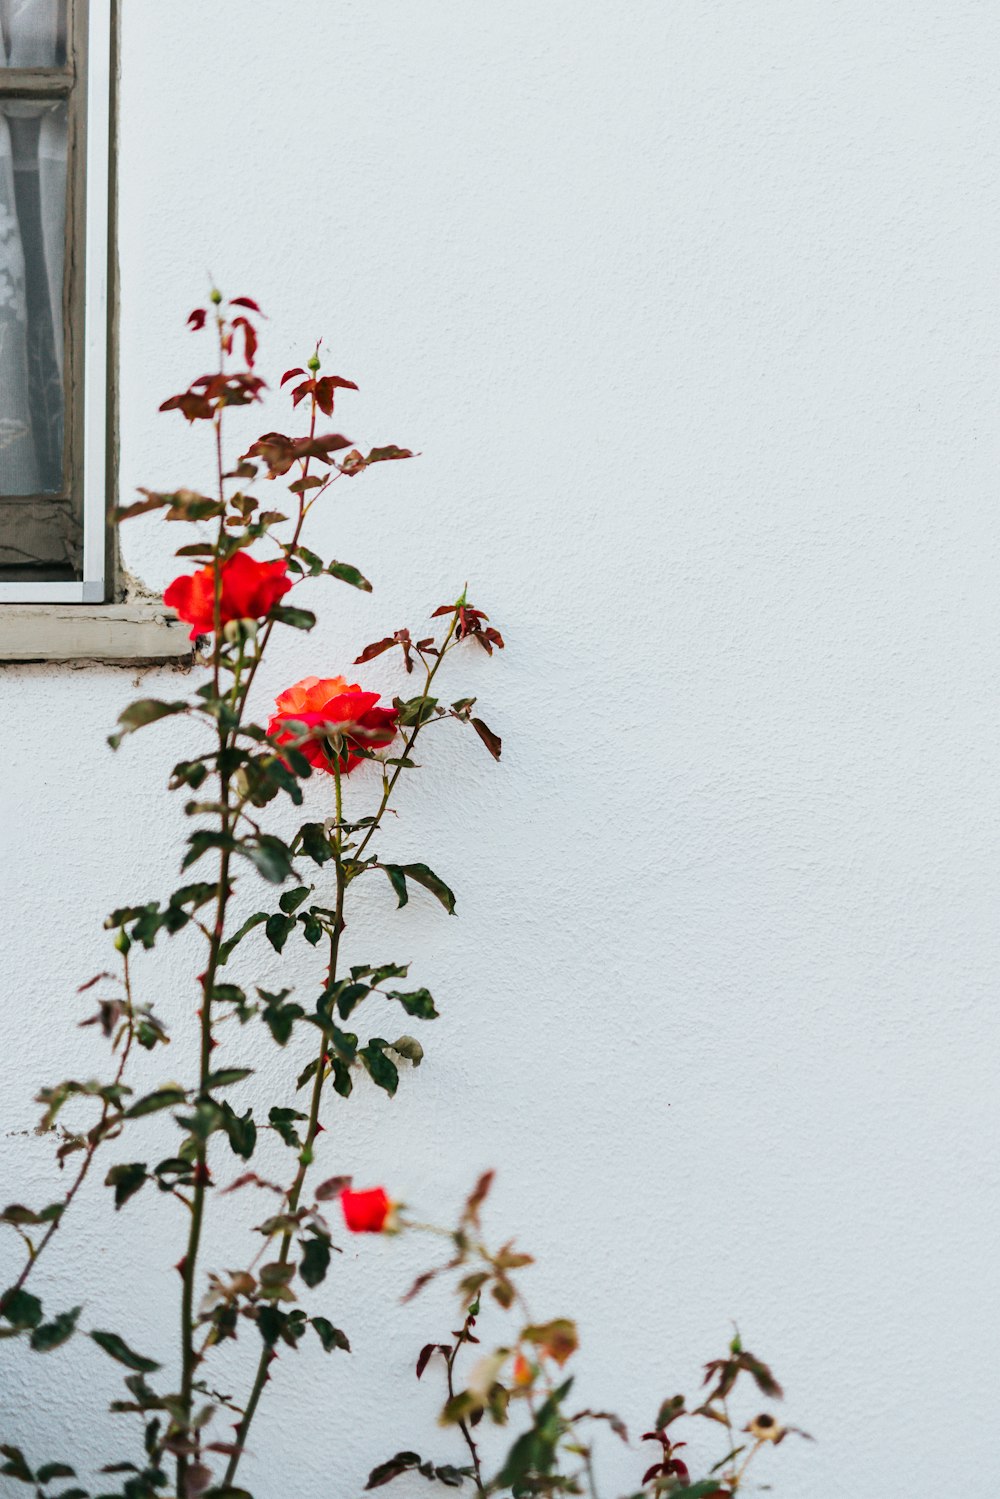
[[691, 309]]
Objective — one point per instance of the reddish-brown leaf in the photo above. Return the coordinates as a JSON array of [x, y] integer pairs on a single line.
[[279, 452], [249, 339], [476, 1198], [492, 741], [331, 1188], [427, 1353], [375, 649], [91, 982]]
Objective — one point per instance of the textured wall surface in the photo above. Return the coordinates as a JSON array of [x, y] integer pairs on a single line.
[[691, 309]]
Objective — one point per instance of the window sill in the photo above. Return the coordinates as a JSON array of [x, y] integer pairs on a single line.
[[124, 633]]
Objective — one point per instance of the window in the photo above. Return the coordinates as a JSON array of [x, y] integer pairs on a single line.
[[55, 106]]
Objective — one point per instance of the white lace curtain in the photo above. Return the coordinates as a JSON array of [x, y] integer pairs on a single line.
[[32, 238]]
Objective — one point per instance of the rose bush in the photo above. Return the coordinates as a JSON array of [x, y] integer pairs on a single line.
[[189, 1440]]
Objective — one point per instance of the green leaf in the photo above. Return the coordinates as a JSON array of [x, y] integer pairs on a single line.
[[397, 880], [55, 1333], [292, 899], [145, 711], [21, 1308], [16, 1212], [348, 574], [314, 842], [126, 1180], [118, 1349], [269, 1324], [55, 1470], [283, 1121], [312, 930], [409, 1048], [534, 1452], [279, 1017], [162, 1098], [226, 949], [415, 710], [194, 895], [241, 1130], [331, 1337], [399, 873], [16, 1465], [278, 928], [418, 1002], [315, 1259], [226, 1076], [271, 857], [343, 1083], [346, 996], [299, 619], [383, 1073], [204, 839]]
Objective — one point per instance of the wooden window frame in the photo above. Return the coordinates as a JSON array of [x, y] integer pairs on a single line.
[[86, 83]]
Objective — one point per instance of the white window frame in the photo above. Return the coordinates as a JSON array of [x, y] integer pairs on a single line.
[[93, 589]]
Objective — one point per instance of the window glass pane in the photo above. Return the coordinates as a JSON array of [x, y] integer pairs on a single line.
[[33, 33], [40, 536], [32, 235]]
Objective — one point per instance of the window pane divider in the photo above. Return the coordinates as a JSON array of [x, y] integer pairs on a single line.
[[36, 83]]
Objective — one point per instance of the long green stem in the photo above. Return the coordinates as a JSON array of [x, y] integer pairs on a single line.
[[189, 1264], [312, 1129], [463, 1425], [408, 744], [294, 1194], [189, 1357]]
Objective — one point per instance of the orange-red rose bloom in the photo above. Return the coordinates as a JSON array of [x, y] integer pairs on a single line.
[[365, 1212], [250, 589], [317, 700]]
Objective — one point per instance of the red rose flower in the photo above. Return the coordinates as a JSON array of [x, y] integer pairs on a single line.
[[366, 1212], [250, 589], [318, 700]]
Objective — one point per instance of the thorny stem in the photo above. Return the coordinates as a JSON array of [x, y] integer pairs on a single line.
[[737, 1477], [96, 1135], [312, 1130], [408, 744], [201, 1176], [299, 522], [189, 1264], [295, 1191], [461, 1338]]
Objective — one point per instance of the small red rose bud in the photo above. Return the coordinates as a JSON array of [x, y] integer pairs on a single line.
[[366, 1212]]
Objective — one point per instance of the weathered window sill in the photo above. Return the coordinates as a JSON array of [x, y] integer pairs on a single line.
[[124, 633]]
